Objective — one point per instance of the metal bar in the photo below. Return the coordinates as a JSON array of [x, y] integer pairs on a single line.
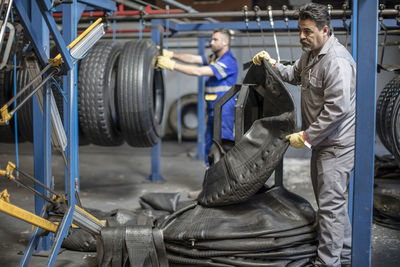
[[20, 104], [354, 46], [33, 242], [3, 26], [9, 44], [41, 122], [201, 144], [277, 14], [36, 181], [39, 194], [59, 41], [71, 173], [61, 233], [28, 85], [31, 31], [367, 29], [238, 25], [87, 221], [155, 175], [27, 216]]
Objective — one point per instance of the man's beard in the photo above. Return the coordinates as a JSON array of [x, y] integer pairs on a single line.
[[305, 45], [215, 50]]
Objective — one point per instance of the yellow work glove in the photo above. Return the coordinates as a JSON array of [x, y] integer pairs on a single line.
[[165, 63], [257, 59], [296, 140], [167, 53]]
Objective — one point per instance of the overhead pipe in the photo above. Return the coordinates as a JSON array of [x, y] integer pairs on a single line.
[[121, 13], [277, 14]]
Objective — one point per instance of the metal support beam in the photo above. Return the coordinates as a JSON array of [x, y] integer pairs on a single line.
[[155, 175], [201, 144], [367, 34]]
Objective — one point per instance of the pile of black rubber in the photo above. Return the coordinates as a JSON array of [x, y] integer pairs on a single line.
[[274, 228]]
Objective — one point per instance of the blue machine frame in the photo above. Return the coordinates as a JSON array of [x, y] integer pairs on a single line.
[[36, 17]]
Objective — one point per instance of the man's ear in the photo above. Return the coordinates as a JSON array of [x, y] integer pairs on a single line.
[[325, 29]]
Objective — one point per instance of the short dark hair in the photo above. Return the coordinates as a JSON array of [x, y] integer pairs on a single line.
[[318, 13], [224, 31]]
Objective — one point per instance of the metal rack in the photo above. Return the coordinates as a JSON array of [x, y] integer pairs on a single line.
[[36, 17]]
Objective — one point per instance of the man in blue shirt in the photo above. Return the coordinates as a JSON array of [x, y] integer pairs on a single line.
[[221, 71]]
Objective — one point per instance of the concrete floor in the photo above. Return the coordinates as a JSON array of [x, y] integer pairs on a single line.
[[114, 178]]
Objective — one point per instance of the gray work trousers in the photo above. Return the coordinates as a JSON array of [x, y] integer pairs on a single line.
[[330, 171]]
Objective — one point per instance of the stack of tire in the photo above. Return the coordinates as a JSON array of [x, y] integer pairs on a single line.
[[388, 117], [120, 96]]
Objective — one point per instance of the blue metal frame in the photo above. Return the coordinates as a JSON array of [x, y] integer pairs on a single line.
[[366, 16], [201, 144], [155, 175], [37, 25]]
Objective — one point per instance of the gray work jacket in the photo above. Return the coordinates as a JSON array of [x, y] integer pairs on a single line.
[[328, 84]]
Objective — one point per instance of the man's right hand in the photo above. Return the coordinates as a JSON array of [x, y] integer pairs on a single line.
[[165, 63], [167, 53], [257, 59]]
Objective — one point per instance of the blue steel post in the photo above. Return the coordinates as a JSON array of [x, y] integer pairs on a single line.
[[69, 25], [61, 233], [367, 34], [200, 107], [354, 53], [155, 175], [41, 124]]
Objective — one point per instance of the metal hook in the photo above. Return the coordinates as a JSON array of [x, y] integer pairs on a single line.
[[258, 20]]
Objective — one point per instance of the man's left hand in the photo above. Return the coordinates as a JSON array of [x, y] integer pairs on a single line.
[[165, 63], [296, 140]]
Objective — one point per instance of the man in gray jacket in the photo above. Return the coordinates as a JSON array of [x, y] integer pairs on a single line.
[[327, 74]]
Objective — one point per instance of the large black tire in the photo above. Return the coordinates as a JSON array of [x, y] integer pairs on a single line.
[[6, 131], [189, 117], [140, 94], [25, 114], [394, 120], [96, 94], [384, 106]]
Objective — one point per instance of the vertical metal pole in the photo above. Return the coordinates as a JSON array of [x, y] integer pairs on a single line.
[[354, 53], [155, 175], [367, 35], [69, 23], [61, 234], [41, 125], [200, 108]]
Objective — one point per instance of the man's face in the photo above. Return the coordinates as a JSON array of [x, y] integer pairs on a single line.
[[311, 38], [218, 41]]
